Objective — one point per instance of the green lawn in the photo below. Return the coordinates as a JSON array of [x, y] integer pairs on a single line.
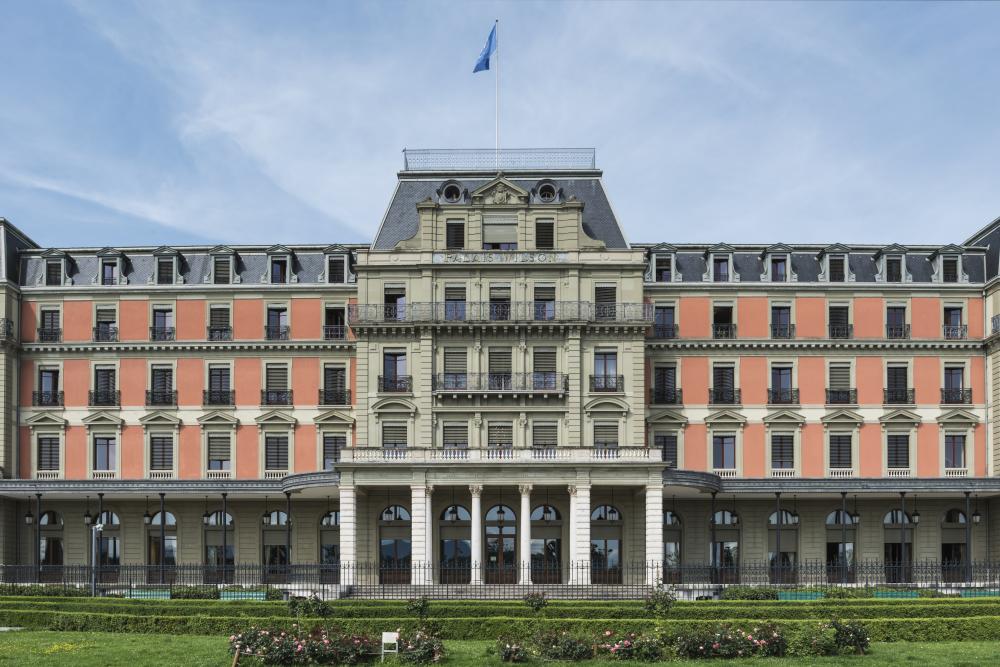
[[95, 649]]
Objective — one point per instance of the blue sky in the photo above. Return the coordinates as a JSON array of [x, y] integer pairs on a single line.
[[180, 122]]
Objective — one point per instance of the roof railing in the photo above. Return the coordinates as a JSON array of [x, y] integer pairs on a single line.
[[490, 159]]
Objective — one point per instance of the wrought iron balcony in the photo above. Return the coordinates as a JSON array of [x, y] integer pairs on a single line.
[[500, 311], [105, 333], [724, 397], [162, 333], [956, 396], [607, 383], [334, 332], [276, 332], [955, 332], [334, 397], [725, 331], [104, 398], [842, 331], [49, 335], [219, 334], [276, 397], [665, 331], [7, 328], [395, 384], [783, 396], [898, 397], [47, 399], [666, 396], [218, 397], [842, 396], [157, 397], [898, 332], [540, 382], [782, 331]]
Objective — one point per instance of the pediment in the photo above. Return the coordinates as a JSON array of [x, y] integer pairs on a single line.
[[221, 250], [900, 417], [279, 249], [835, 249], [103, 419], [335, 249], [54, 253], [500, 192], [719, 248], [607, 404], [950, 249], [958, 416], [395, 405], [777, 248], [45, 419], [842, 417], [725, 417], [218, 418], [166, 251], [338, 417], [276, 417], [663, 247], [667, 418], [160, 418], [109, 252], [784, 417], [894, 249]]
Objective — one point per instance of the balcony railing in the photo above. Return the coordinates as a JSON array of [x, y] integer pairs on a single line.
[[539, 382], [496, 311], [276, 332], [334, 332], [955, 332], [49, 335], [162, 333], [156, 397], [724, 331], [7, 328], [276, 397], [898, 332], [782, 331], [219, 334], [218, 397], [607, 383], [783, 396], [104, 398], [842, 396], [724, 396], [106, 334], [841, 331], [395, 384], [334, 397], [956, 396], [47, 399], [666, 396], [665, 331], [527, 454], [898, 397]]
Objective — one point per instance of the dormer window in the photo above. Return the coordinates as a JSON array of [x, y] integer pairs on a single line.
[[109, 272], [547, 193], [720, 269], [662, 268], [279, 269], [779, 269], [336, 269], [837, 271], [223, 266], [500, 232], [454, 235], [545, 234], [452, 193], [949, 269], [894, 269], [54, 272]]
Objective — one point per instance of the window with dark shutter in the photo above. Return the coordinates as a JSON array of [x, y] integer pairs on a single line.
[[336, 270], [723, 378], [839, 321], [105, 316], [455, 436], [894, 270], [218, 378], [454, 303], [104, 380], [500, 360], [545, 434], [898, 454], [221, 270], [334, 378], [454, 235], [896, 378], [276, 452], [665, 378], [162, 379], [276, 377], [545, 235], [161, 452], [455, 368], [500, 435], [837, 273], [218, 316], [394, 436], [454, 293], [605, 295], [544, 359], [53, 273], [48, 453], [662, 268], [782, 452], [545, 302], [840, 451], [332, 446], [164, 272], [667, 444], [50, 319], [840, 376], [949, 270], [605, 434], [219, 456], [545, 293]]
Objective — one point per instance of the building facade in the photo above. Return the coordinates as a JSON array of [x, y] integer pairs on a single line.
[[500, 389]]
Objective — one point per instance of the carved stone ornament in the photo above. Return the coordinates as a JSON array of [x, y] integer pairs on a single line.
[[525, 489], [476, 490], [572, 489]]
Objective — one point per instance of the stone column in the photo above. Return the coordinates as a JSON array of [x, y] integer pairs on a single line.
[[654, 533], [579, 537], [348, 535], [429, 532], [477, 533], [524, 535], [418, 533]]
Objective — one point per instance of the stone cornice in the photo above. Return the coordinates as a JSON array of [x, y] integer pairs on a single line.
[[140, 347], [768, 344]]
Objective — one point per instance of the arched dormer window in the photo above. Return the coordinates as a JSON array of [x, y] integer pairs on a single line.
[[452, 192]]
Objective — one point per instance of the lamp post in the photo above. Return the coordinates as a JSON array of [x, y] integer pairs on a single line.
[[94, 530], [225, 531], [163, 539], [968, 537], [29, 521], [843, 536]]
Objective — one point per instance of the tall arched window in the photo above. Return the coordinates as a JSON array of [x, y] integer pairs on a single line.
[[275, 554], [501, 545], [546, 545], [841, 546], [606, 556], [50, 554], [165, 553], [220, 547], [954, 551], [395, 545], [898, 550], [784, 559], [329, 547], [672, 532], [725, 550], [455, 545]]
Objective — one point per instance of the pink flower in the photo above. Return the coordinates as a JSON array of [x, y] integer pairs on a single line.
[[607, 633]]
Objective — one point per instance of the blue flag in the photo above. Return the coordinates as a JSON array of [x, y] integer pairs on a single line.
[[488, 50]]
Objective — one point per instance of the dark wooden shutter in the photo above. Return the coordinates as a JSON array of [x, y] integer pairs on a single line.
[[454, 235], [163, 379], [500, 360], [723, 378], [500, 434], [105, 316], [606, 295], [336, 271], [50, 319], [276, 452], [544, 359], [394, 436], [332, 446], [455, 360], [53, 273], [221, 270], [839, 316], [898, 454], [277, 377], [545, 434], [840, 376], [104, 380], [454, 293], [950, 270], [840, 451], [667, 443], [164, 272], [218, 317], [545, 235], [219, 450], [606, 434], [500, 293], [665, 377], [545, 293], [896, 377], [218, 378], [455, 436], [334, 378], [782, 451], [837, 273], [48, 453], [161, 453]]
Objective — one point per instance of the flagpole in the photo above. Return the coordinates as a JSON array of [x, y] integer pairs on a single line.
[[497, 23]]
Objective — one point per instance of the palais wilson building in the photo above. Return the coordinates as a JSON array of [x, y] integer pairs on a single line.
[[500, 388]]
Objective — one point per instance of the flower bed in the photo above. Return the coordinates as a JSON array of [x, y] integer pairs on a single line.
[[322, 646]]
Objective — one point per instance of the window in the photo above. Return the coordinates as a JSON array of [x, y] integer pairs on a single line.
[[455, 368], [605, 371], [48, 453], [279, 270], [949, 270], [545, 235], [898, 386], [953, 327], [781, 385], [840, 451], [605, 435], [334, 323], [394, 377], [452, 193], [954, 451], [500, 435], [455, 436], [543, 364], [895, 322], [662, 268], [219, 456], [48, 387], [782, 452], [547, 192], [332, 446], [218, 392], [277, 323], [454, 235], [722, 322], [395, 302], [221, 270], [165, 271], [105, 321], [545, 302], [334, 385], [667, 444], [724, 452], [499, 302], [163, 324], [500, 368], [53, 272], [109, 272], [394, 435], [50, 330], [105, 392], [499, 232], [839, 390], [105, 453], [605, 302], [954, 386], [665, 384], [336, 269], [219, 327], [161, 452], [779, 269], [840, 322], [663, 322], [161, 386], [898, 453], [276, 452], [720, 269], [894, 269], [276, 391], [838, 274], [723, 384], [544, 434], [781, 322]]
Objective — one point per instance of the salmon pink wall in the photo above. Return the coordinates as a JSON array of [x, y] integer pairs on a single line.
[[753, 380], [133, 320], [27, 383], [979, 438], [77, 452], [695, 448], [813, 462], [77, 318], [305, 380], [246, 377], [810, 317], [247, 452], [307, 319], [305, 448], [753, 317], [812, 380], [694, 380], [974, 317], [977, 378], [753, 450], [869, 317], [869, 379], [248, 319], [695, 317], [927, 379], [132, 451], [191, 320], [76, 382], [870, 450], [926, 317], [132, 381], [189, 452], [928, 451], [190, 381], [24, 452], [29, 321]]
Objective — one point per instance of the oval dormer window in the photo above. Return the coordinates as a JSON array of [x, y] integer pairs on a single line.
[[452, 193], [547, 192]]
